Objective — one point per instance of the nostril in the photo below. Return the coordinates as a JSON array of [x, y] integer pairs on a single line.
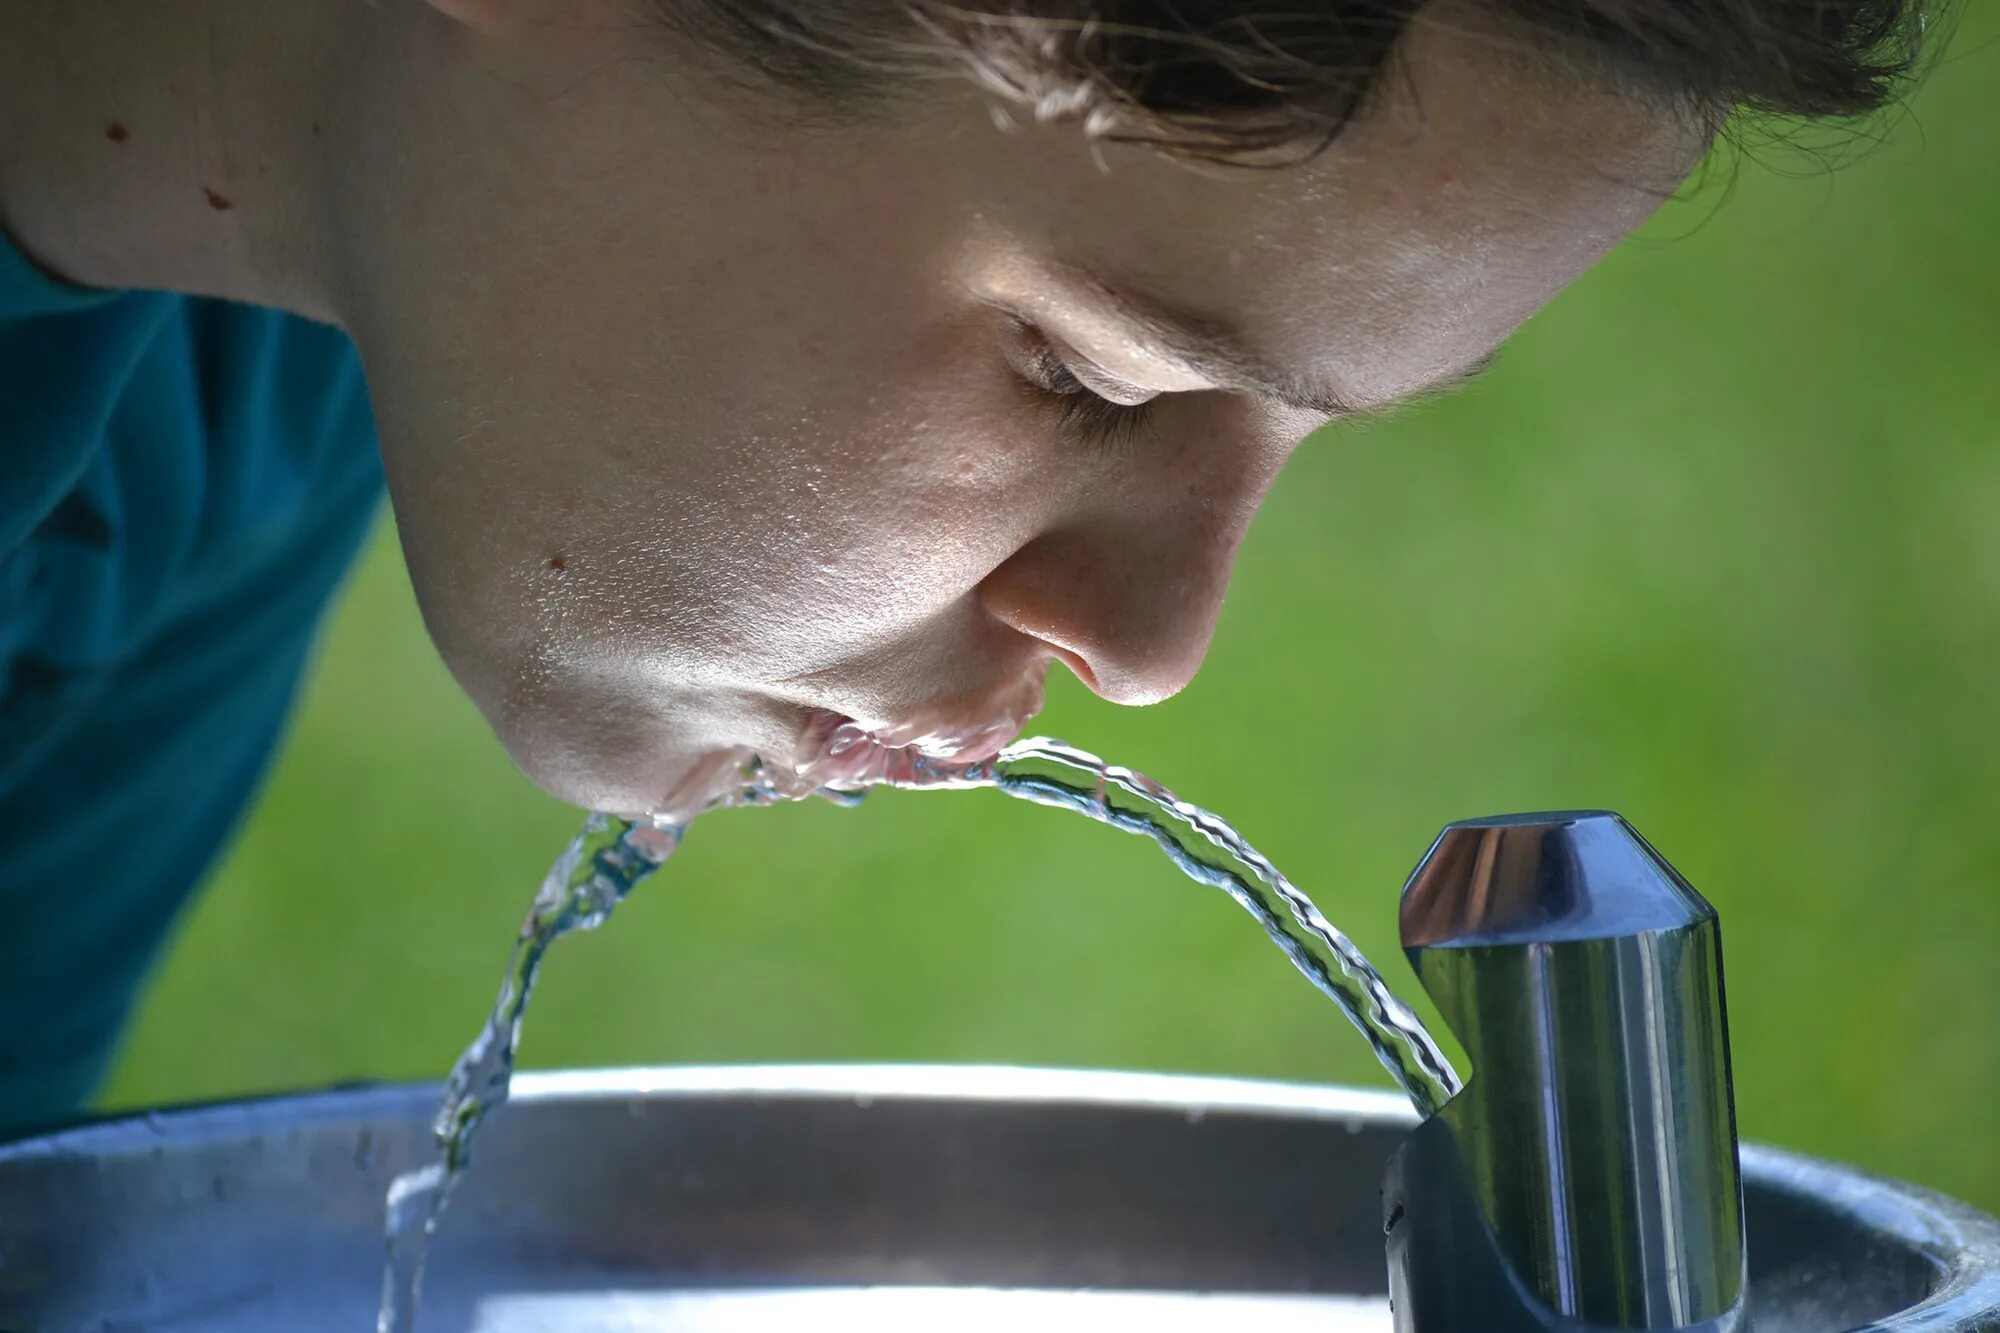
[[1129, 618], [1079, 667]]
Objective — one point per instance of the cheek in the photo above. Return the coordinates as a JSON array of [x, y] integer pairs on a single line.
[[675, 503], [804, 530]]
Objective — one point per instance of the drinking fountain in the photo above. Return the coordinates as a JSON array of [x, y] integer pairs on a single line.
[[1586, 1179], [1587, 1176]]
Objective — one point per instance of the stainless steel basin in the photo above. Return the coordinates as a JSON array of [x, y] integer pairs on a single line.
[[899, 1197]]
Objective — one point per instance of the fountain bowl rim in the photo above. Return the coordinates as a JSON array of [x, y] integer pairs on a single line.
[[1962, 1243]]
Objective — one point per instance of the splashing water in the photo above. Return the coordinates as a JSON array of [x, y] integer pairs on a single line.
[[611, 855]]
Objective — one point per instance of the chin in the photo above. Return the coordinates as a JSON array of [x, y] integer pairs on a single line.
[[589, 781], [631, 771]]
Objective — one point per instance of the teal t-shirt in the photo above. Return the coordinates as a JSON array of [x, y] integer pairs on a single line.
[[183, 483]]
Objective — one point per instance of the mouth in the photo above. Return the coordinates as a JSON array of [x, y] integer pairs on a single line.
[[843, 754], [832, 752]]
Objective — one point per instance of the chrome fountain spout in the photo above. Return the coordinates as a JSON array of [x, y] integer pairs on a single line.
[[1586, 1178]]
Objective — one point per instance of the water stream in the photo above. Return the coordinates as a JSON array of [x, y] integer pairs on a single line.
[[610, 856], [601, 865]]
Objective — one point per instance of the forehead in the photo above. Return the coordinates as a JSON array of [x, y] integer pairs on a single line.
[[1474, 187]]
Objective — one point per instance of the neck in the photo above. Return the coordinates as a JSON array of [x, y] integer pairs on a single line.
[[175, 146]]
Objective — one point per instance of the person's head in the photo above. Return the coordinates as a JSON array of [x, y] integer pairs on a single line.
[[744, 366]]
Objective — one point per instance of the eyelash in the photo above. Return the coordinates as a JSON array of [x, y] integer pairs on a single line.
[[1085, 417]]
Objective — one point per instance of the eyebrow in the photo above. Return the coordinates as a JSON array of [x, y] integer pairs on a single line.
[[1217, 351]]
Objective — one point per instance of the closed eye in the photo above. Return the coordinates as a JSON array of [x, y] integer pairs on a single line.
[[1085, 414]]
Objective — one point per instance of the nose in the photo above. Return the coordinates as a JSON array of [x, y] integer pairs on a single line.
[[1128, 596]]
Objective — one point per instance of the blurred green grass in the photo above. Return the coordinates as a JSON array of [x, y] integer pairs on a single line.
[[1716, 547]]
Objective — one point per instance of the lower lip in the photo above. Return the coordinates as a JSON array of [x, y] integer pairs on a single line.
[[837, 752]]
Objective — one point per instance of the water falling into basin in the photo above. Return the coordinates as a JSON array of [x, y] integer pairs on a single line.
[[611, 855], [601, 865]]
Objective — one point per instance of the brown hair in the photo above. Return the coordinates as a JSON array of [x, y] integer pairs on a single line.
[[1233, 80]]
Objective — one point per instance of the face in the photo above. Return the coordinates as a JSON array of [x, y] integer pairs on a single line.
[[707, 436]]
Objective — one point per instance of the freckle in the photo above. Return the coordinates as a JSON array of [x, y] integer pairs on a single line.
[[315, 127], [558, 563], [216, 201], [116, 133]]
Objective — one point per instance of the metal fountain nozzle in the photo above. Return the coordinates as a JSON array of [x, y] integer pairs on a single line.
[[1586, 1178]]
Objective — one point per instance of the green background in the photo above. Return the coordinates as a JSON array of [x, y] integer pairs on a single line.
[[1717, 546]]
